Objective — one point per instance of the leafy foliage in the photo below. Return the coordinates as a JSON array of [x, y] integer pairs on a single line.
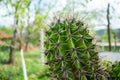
[[113, 68]]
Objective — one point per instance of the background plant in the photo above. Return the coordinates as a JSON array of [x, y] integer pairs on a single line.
[[113, 68]]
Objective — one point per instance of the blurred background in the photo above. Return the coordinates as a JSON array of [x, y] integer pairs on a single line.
[[21, 22]]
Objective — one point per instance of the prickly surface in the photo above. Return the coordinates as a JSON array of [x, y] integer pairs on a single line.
[[70, 52]]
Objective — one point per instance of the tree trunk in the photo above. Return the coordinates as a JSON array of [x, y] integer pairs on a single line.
[[11, 55], [26, 46], [115, 41], [28, 32], [108, 27], [20, 39], [12, 46], [11, 60]]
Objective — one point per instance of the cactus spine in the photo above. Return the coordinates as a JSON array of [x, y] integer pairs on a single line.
[[70, 52]]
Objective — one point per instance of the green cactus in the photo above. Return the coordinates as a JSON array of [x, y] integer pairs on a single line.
[[70, 52]]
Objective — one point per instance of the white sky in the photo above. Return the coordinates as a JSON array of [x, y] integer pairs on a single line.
[[94, 4], [102, 4]]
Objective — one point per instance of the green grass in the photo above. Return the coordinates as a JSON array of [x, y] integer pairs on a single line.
[[35, 70]]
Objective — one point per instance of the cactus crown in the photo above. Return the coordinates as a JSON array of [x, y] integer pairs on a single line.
[[70, 52]]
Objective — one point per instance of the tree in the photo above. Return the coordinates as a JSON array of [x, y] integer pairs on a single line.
[[15, 13], [108, 27], [25, 15], [17, 10]]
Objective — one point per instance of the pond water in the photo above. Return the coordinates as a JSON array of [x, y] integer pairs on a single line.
[[111, 56]]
